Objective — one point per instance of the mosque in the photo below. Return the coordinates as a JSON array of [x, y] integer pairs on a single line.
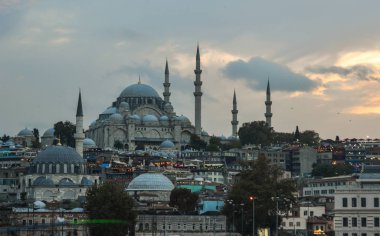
[[141, 118]]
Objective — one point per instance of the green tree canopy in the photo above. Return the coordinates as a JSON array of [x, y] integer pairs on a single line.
[[5, 138], [65, 132], [329, 170], [263, 181], [183, 199], [197, 143], [256, 132], [36, 143], [111, 204]]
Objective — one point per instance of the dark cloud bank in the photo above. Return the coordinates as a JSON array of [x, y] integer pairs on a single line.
[[257, 70], [359, 72]]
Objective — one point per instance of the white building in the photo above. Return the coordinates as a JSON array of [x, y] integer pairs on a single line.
[[326, 186], [297, 219], [357, 207]]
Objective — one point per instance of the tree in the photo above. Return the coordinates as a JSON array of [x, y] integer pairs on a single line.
[[113, 206], [214, 144], [36, 142], [5, 138], [118, 144], [183, 199], [309, 137], [263, 181], [328, 170], [256, 132], [197, 143], [65, 132]]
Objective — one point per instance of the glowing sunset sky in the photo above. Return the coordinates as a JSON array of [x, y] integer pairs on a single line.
[[322, 58]]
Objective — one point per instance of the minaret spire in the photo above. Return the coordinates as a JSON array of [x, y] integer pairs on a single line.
[[79, 135], [268, 104], [198, 94], [166, 84], [234, 112]]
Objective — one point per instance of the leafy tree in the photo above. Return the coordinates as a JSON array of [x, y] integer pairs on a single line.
[[118, 144], [109, 203], [263, 181], [280, 137], [328, 170], [65, 132], [309, 137], [183, 199], [36, 142], [197, 143], [5, 138], [231, 144], [256, 132], [214, 144]]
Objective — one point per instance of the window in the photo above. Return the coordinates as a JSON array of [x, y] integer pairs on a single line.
[[376, 234], [290, 224], [364, 234], [353, 202], [354, 222], [298, 223], [354, 234], [376, 222], [376, 202], [344, 202], [345, 222], [345, 234], [364, 222], [43, 221], [311, 213], [305, 213], [363, 201]]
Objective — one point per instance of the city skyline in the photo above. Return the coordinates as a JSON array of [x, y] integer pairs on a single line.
[[322, 60]]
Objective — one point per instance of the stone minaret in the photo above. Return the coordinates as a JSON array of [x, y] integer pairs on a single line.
[[79, 135], [234, 112], [268, 104], [198, 94], [166, 84]]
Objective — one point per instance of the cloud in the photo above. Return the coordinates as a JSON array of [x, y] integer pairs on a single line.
[[359, 72], [257, 70], [60, 41]]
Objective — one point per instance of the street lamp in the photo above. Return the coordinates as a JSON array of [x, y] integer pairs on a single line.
[[276, 199], [233, 214], [242, 219], [252, 198]]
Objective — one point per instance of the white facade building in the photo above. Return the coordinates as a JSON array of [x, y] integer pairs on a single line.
[[357, 207]]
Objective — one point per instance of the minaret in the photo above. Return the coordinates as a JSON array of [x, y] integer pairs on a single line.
[[79, 135], [198, 94], [268, 104], [234, 112], [166, 84]]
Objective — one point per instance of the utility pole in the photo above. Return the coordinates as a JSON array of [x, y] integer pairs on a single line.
[[252, 198]]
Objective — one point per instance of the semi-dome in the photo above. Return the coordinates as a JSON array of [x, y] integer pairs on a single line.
[[167, 144], [43, 181], [66, 182], [150, 181], [88, 143], [124, 105], [150, 118], [116, 118], [49, 133], [25, 132], [86, 182], [164, 118], [109, 110], [58, 154], [139, 90], [134, 117]]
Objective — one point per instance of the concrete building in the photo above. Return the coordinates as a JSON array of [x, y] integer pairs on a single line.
[[357, 207]]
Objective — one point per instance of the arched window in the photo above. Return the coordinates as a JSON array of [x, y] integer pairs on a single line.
[[146, 226]]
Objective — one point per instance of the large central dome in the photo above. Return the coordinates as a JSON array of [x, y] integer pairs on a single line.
[[139, 90]]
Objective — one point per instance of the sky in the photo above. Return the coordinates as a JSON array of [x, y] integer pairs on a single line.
[[322, 59]]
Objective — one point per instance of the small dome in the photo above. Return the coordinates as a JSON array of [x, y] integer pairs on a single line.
[[134, 117], [66, 182], [150, 118], [109, 110], [25, 132], [139, 90], [150, 181], [86, 182], [167, 144], [204, 133], [116, 118], [58, 154], [164, 118], [49, 133], [43, 181], [184, 118], [88, 143], [39, 204], [124, 105], [9, 143]]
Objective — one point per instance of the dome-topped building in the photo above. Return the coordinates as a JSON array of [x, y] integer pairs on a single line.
[[140, 117], [25, 138]]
